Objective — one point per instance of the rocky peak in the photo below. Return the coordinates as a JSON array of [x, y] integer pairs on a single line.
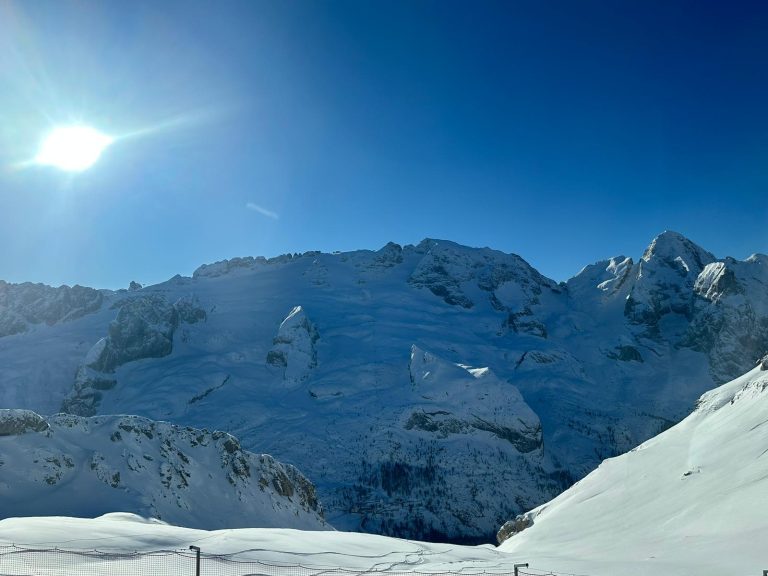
[[389, 255], [605, 277], [451, 271], [677, 251], [665, 279]]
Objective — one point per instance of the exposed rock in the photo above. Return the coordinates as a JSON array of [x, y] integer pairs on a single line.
[[446, 268], [189, 310], [14, 422], [439, 422], [27, 303], [525, 322], [390, 255], [224, 267], [512, 527], [442, 270], [626, 354], [144, 328]]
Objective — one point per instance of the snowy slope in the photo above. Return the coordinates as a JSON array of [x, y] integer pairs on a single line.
[[319, 550], [693, 500], [88, 466], [310, 358]]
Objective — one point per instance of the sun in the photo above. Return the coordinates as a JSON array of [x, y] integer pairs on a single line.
[[72, 148]]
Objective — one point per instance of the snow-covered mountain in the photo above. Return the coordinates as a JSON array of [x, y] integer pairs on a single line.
[[689, 501], [429, 391], [69, 465]]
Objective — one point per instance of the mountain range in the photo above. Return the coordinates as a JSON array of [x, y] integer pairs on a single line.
[[430, 391]]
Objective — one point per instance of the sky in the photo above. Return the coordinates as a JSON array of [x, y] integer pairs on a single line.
[[565, 132]]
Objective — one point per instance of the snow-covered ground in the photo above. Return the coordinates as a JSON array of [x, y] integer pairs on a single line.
[[320, 550], [691, 501]]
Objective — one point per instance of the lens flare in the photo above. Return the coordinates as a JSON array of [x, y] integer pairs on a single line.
[[72, 148]]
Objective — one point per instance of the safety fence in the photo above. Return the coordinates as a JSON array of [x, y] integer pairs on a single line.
[[20, 561]]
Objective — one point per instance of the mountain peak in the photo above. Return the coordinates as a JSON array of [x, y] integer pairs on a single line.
[[670, 245]]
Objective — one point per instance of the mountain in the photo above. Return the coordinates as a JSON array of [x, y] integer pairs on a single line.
[[429, 391], [69, 465], [689, 501]]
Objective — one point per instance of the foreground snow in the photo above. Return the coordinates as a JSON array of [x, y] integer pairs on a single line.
[[693, 500], [351, 551]]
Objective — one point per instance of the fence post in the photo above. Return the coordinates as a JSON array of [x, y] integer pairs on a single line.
[[197, 560], [516, 566]]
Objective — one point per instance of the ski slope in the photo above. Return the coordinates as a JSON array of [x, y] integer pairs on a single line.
[[691, 501]]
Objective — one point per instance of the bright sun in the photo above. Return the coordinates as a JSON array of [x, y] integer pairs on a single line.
[[72, 148]]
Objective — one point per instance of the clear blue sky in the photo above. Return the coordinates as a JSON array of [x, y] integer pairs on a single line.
[[562, 131]]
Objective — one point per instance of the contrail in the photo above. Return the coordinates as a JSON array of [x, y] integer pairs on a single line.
[[268, 213]]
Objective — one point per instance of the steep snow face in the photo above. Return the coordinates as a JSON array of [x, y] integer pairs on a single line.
[[456, 399], [309, 357], [294, 350], [87, 466], [690, 501]]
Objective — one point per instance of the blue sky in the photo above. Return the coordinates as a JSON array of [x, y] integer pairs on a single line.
[[563, 131]]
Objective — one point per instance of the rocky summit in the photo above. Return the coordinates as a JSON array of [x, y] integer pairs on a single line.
[[432, 391]]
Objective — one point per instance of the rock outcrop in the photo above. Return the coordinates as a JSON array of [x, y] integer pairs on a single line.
[[512, 527], [144, 328], [17, 422], [27, 304], [196, 478]]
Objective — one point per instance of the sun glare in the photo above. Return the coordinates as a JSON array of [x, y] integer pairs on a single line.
[[72, 148]]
